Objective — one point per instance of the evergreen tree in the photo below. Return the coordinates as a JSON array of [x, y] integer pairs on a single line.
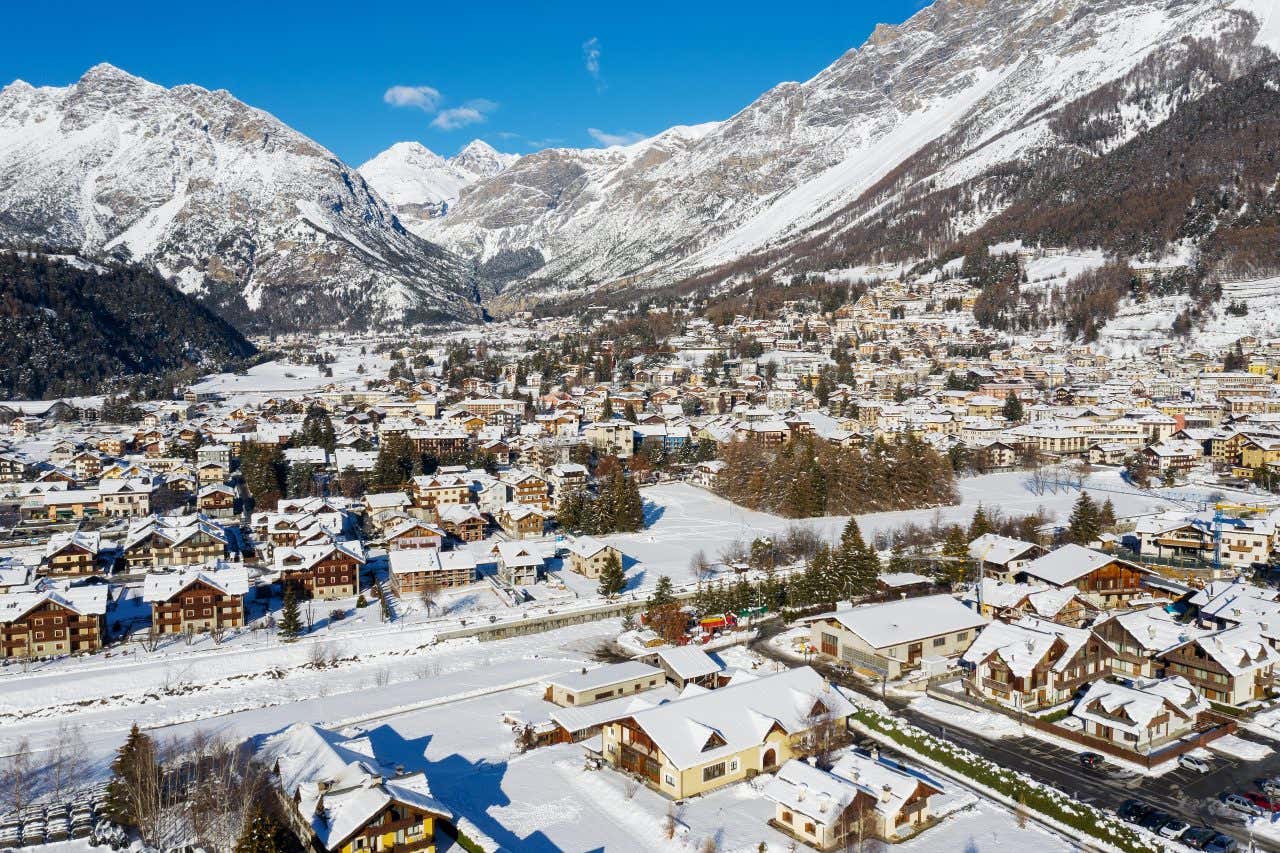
[[1084, 525], [1107, 515], [317, 429], [298, 482], [134, 768], [981, 525], [956, 548], [261, 834], [1012, 410], [612, 579], [606, 413], [395, 464], [662, 595], [290, 618]]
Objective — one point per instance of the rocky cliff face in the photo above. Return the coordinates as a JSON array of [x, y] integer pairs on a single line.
[[226, 201]]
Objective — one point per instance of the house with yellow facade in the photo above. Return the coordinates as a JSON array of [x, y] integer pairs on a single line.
[[344, 797], [711, 738]]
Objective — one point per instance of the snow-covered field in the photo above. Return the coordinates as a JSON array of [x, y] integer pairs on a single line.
[[276, 378], [683, 518]]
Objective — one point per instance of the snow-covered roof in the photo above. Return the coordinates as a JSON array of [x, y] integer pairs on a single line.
[[998, 550], [688, 661], [907, 620], [1154, 629], [1069, 563], [1238, 650], [228, 578], [739, 716], [306, 556], [1023, 645], [90, 541], [86, 600], [345, 774], [1131, 709], [897, 579], [605, 676]]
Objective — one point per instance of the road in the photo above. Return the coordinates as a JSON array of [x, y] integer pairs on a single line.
[[1184, 793]]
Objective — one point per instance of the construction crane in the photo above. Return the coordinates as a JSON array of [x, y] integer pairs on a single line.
[[1220, 518]]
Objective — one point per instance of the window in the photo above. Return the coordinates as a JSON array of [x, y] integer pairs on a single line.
[[670, 780], [786, 817], [808, 828], [714, 771], [733, 766], [962, 636], [939, 641]]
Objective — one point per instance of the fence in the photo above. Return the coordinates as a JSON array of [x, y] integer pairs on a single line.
[[1210, 726]]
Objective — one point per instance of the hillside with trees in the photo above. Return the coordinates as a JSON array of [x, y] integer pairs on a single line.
[[71, 327]]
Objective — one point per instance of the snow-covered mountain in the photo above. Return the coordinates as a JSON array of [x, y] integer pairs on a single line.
[[990, 77], [421, 184], [223, 199]]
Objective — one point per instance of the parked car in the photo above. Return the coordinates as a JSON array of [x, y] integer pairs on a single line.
[[1174, 828], [1197, 837], [1262, 801], [1155, 820], [1090, 760], [1133, 811], [1269, 787], [1192, 762], [1237, 803], [1221, 844]]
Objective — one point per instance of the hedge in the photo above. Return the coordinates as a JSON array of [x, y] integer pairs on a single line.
[[1016, 786]]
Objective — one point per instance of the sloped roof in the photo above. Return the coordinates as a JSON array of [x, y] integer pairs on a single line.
[[228, 578], [907, 620]]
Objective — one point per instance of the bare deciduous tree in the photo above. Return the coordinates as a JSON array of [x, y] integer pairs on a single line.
[[17, 776], [429, 595]]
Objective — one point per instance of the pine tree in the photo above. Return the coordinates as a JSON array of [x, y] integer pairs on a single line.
[[1084, 526], [981, 525], [663, 595], [956, 548], [1012, 410], [1107, 515], [261, 834], [132, 770], [612, 579], [290, 618]]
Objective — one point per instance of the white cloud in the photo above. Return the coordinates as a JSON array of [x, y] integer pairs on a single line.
[[423, 97], [472, 112], [625, 137], [591, 59]]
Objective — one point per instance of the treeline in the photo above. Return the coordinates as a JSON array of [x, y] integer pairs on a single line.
[[72, 328], [809, 477]]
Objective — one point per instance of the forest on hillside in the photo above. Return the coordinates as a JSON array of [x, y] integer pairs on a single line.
[[73, 328]]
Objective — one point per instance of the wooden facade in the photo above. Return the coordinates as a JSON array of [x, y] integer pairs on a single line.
[[197, 607], [50, 629]]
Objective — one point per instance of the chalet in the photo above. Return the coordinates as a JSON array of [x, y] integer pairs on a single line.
[[1009, 602], [604, 682], [1138, 638], [528, 489], [326, 571], [1106, 580], [212, 472], [566, 478], [519, 565], [714, 738], [72, 553], [520, 521], [52, 620], [413, 534], [216, 500], [589, 556], [862, 796], [463, 522], [1033, 663], [685, 665], [1001, 556], [437, 491], [1233, 666], [1140, 716], [125, 498], [897, 635], [195, 599], [415, 570], [345, 796], [65, 505], [174, 540], [383, 509]]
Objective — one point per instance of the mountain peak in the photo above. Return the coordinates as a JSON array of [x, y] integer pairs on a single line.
[[480, 158], [106, 72]]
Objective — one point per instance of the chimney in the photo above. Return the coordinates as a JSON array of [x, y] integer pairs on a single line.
[[875, 752], [886, 792]]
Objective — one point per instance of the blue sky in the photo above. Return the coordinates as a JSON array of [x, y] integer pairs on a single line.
[[358, 77]]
